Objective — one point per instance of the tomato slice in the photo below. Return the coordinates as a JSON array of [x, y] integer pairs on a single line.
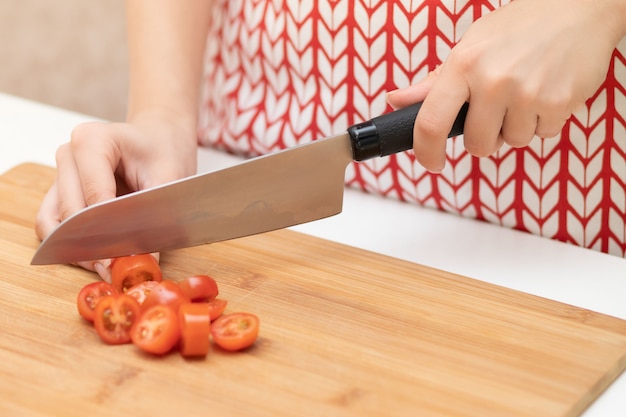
[[166, 292], [89, 296], [216, 307], [235, 331], [127, 271], [140, 291], [199, 287], [114, 317], [195, 329], [157, 330]]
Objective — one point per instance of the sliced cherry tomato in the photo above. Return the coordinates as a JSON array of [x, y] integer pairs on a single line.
[[235, 331], [195, 329], [216, 307], [140, 291], [167, 292], [199, 287], [127, 271], [157, 329], [89, 296], [114, 317]]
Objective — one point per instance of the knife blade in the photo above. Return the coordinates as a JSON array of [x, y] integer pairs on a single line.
[[282, 189]]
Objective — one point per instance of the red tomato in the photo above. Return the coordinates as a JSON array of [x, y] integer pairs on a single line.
[[157, 329], [235, 331], [89, 296], [127, 271], [199, 287], [216, 307], [140, 291], [167, 292], [195, 329], [114, 317]]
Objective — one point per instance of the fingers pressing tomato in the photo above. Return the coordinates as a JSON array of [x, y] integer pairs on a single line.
[[127, 271]]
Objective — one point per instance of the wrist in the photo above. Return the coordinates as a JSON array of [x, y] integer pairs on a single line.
[[182, 125]]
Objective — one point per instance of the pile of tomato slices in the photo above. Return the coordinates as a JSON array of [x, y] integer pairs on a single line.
[[159, 315]]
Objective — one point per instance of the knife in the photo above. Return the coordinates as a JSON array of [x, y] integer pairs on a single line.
[[282, 189]]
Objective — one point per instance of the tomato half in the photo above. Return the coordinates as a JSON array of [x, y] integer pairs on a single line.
[[167, 292], [235, 331], [199, 287], [127, 271], [89, 296], [140, 291], [216, 307], [195, 329], [114, 317], [157, 330]]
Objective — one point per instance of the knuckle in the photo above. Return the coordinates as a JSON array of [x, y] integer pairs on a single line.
[[554, 104], [429, 125], [464, 58], [65, 210], [517, 142], [40, 226], [84, 134], [479, 148], [40, 231], [91, 192], [62, 152], [550, 131]]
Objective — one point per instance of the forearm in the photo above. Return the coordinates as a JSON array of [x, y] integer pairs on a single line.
[[166, 44]]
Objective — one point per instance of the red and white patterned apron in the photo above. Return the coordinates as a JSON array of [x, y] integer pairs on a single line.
[[283, 72]]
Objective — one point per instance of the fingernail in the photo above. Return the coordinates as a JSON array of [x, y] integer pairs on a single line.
[[103, 271], [387, 96]]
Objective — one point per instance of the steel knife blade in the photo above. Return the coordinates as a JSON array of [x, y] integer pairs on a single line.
[[279, 190]]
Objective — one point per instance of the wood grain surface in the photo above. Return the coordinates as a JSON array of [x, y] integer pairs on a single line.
[[344, 332]]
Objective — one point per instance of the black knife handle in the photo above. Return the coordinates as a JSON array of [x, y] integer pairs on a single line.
[[392, 132]]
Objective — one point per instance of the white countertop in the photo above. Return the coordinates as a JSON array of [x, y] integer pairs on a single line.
[[31, 132]]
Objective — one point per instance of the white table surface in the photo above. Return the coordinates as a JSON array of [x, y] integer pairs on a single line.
[[31, 132]]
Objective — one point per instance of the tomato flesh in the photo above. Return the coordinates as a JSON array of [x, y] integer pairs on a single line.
[[140, 291], [235, 331], [114, 317], [89, 296], [195, 329], [127, 271], [157, 330]]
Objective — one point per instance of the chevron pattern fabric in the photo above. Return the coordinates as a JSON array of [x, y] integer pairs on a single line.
[[283, 72]]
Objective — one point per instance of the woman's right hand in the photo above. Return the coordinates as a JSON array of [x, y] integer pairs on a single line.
[[524, 68], [104, 160]]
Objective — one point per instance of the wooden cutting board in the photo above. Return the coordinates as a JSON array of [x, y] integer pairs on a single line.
[[344, 332]]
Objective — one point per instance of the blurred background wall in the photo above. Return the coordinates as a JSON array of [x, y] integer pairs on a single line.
[[71, 54]]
